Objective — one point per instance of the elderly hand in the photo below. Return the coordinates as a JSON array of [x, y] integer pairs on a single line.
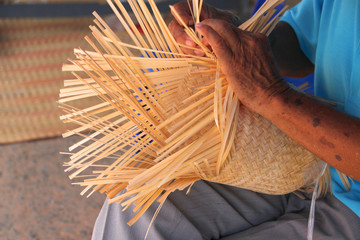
[[182, 8], [246, 61]]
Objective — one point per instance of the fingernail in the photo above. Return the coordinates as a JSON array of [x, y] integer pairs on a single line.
[[189, 43], [199, 25]]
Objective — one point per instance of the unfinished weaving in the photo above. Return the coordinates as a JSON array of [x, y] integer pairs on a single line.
[[165, 119]]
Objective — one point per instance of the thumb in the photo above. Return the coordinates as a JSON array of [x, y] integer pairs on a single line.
[[181, 13], [217, 43]]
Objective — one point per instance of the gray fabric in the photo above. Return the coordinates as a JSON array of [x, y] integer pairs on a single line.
[[214, 211], [333, 220]]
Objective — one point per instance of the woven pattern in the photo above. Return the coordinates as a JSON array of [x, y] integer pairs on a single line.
[[32, 52], [169, 119], [266, 157]]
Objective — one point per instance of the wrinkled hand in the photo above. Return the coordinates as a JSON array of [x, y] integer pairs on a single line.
[[182, 8], [247, 62]]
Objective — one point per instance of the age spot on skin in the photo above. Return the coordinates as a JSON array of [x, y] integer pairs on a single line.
[[298, 102], [327, 143], [338, 157], [316, 122], [347, 134]]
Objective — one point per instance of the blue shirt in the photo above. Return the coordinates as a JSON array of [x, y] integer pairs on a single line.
[[329, 35]]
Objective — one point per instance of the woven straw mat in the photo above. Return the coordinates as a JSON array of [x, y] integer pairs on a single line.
[[32, 52]]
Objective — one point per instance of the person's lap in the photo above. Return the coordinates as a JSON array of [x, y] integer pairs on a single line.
[[333, 220], [213, 211]]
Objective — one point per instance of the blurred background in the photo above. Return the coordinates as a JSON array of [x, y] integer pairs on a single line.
[[37, 200]]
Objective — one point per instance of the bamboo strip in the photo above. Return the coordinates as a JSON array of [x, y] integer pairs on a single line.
[[168, 118]]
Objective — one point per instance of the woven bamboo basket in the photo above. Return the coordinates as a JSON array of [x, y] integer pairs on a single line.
[[166, 119]]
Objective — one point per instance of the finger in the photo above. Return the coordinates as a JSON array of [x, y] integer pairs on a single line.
[[199, 52], [179, 34], [226, 30], [205, 43], [205, 12], [216, 41], [181, 37], [183, 11]]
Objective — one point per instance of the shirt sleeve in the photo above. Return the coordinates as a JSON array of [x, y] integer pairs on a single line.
[[305, 18]]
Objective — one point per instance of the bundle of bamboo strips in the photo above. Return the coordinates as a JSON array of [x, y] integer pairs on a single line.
[[166, 119]]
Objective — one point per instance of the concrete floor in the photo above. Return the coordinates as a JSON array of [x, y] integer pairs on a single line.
[[37, 199]]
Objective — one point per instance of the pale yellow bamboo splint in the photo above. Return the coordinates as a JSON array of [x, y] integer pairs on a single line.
[[166, 119]]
